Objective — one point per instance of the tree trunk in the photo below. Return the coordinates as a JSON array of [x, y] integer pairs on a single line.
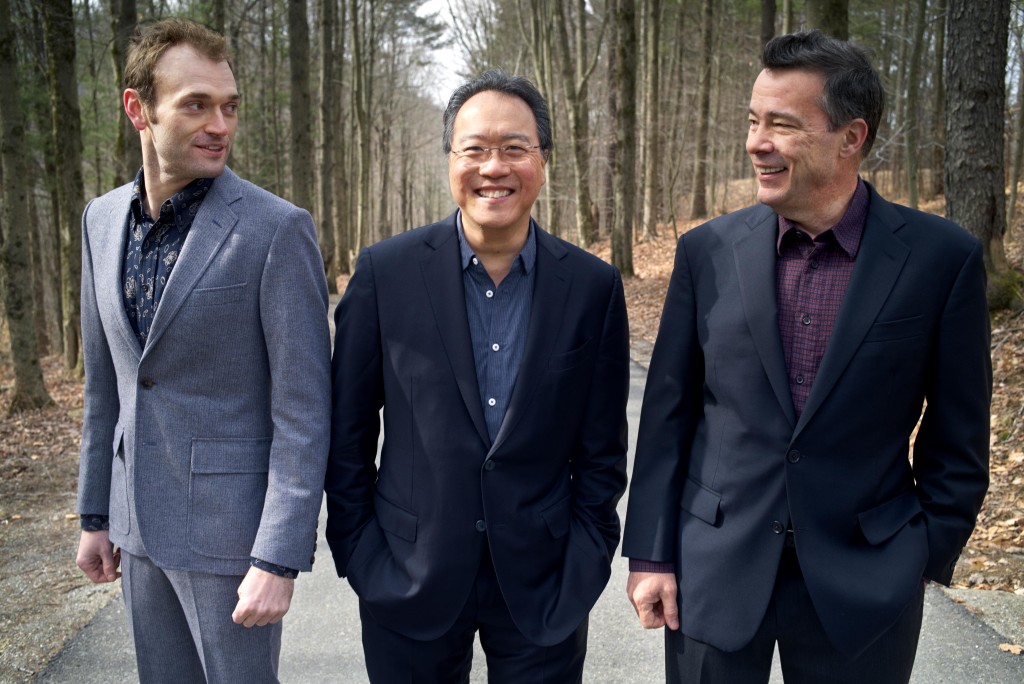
[[624, 164], [59, 35], [652, 132], [361, 99], [831, 16], [939, 103], [767, 21], [698, 192], [913, 77], [342, 191], [325, 227], [127, 151], [15, 257], [301, 113], [975, 96]]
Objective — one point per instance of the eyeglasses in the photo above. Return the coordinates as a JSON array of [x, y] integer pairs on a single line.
[[475, 154]]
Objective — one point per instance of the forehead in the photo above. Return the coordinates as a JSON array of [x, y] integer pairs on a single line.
[[788, 89], [490, 113], [182, 68]]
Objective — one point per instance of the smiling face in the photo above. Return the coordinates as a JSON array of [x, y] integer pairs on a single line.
[[805, 172], [187, 133], [495, 195]]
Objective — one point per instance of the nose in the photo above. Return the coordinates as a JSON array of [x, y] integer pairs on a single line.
[[758, 142], [216, 123], [495, 165]]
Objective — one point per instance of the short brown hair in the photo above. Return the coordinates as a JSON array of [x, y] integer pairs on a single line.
[[151, 41]]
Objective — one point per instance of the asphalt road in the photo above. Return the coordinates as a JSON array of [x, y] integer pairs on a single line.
[[321, 634]]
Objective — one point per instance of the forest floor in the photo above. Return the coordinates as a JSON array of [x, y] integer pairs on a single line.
[[45, 599]]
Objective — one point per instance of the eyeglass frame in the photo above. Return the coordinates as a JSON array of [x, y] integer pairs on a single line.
[[502, 149]]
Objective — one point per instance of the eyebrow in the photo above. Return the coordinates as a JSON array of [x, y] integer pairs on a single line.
[[206, 96], [774, 114], [507, 136]]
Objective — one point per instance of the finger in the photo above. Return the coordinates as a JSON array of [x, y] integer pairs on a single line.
[[671, 613], [109, 568]]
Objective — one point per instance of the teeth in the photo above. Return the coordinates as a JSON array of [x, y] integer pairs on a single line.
[[495, 194], [773, 169]]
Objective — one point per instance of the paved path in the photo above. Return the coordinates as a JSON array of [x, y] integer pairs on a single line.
[[321, 635]]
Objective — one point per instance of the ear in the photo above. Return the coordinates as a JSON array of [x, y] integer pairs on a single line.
[[854, 135], [135, 110]]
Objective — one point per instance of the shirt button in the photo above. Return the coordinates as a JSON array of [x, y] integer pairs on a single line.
[[489, 464], [481, 526], [476, 262], [814, 264], [489, 293], [146, 382], [806, 320], [793, 456], [777, 527], [495, 347], [799, 379], [492, 401]]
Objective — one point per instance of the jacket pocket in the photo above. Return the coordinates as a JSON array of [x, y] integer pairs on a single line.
[[212, 296], [882, 522], [898, 329], [395, 520], [557, 517], [569, 359], [227, 488], [700, 501]]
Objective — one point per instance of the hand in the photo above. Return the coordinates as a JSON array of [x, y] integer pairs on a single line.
[[653, 595], [97, 557], [263, 598]]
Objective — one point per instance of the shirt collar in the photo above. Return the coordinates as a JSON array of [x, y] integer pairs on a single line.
[[847, 231], [184, 204], [527, 256]]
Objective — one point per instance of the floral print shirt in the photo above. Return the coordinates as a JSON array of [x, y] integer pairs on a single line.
[[153, 249]]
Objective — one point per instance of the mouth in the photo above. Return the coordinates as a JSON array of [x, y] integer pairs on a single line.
[[214, 149], [768, 170], [494, 194]]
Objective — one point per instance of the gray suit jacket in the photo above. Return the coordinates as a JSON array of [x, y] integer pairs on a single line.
[[209, 445]]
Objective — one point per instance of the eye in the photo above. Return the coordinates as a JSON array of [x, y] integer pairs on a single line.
[[231, 108], [194, 106], [514, 151]]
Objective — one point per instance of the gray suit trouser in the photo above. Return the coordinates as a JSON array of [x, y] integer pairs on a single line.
[[181, 625]]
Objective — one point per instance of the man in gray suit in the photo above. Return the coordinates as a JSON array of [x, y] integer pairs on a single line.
[[207, 392]]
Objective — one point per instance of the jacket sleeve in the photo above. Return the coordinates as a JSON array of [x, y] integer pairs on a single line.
[[357, 397], [293, 314], [672, 406], [102, 405], [951, 450]]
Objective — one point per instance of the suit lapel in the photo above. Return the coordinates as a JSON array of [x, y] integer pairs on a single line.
[[879, 261], [109, 265], [442, 278], [550, 296], [755, 267], [210, 227]]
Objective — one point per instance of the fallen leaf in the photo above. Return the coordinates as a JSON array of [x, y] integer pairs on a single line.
[[1015, 649]]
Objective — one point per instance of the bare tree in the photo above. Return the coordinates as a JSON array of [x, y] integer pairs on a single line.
[[59, 34], [831, 16], [624, 163], [767, 21], [15, 260], [301, 112], [127, 152], [698, 193], [913, 87], [652, 105], [325, 227], [975, 97]]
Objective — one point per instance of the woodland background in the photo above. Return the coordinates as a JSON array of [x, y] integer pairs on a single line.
[[341, 116]]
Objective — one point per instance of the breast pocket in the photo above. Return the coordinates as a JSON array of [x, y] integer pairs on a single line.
[[898, 329], [570, 359], [227, 487], [216, 296]]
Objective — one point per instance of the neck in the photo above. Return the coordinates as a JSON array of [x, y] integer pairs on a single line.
[[828, 213], [496, 249], [159, 188]]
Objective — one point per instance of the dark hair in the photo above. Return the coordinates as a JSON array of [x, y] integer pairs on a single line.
[[853, 89], [498, 81], [152, 40]]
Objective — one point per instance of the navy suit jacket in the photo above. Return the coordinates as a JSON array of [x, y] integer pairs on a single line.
[[723, 465], [409, 535]]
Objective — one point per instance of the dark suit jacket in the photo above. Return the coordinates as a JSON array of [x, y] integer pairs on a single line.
[[723, 465], [409, 536]]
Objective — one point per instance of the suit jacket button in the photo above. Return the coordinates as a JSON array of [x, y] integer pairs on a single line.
[[146, 382], [489, 464], [777, 527], [793, 456], [481, 526]]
